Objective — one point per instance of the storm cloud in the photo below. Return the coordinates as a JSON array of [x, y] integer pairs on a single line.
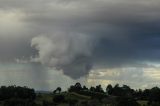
[[78, 36]]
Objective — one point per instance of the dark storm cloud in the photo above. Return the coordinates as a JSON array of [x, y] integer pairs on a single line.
[[138, 49], [75, 35]]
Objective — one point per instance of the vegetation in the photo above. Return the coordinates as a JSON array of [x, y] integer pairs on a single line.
[[78, 95], [17, 96]]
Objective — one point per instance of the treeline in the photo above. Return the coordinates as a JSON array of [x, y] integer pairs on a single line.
[[111, 95], [123, 95], [17, 96], [16, 92], [152, 94]]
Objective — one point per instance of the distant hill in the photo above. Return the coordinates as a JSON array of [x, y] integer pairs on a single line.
[[43, 92]]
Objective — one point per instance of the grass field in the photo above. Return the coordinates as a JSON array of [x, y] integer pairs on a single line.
[[49, 98], [78, 96], [43, 97], [143, 103]]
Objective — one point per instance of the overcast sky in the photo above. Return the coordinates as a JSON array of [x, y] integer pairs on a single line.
[[50, 43]]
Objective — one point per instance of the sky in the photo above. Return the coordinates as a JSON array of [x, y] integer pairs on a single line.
[[49, 43]]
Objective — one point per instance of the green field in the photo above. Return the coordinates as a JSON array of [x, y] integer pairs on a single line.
[[69, 96], [49, 98]]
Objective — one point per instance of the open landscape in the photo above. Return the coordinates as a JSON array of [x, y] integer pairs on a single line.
[[79, 52]]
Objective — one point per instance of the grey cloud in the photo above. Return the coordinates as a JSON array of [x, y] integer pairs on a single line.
[[74, 35], [70, 53], [24, 75]]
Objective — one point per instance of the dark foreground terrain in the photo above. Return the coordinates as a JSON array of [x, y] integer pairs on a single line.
[[78, 95]]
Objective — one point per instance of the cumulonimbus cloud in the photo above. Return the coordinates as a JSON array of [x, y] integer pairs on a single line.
[[74, 35], [70, 53]]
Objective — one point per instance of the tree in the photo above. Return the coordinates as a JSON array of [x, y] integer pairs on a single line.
[[78, 86], [109, 89], [155, 94], [17, 92], [117, 91], [59, 89], [99, 89], [54, 92], [75, 88], [85, 88], [92, 89]]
